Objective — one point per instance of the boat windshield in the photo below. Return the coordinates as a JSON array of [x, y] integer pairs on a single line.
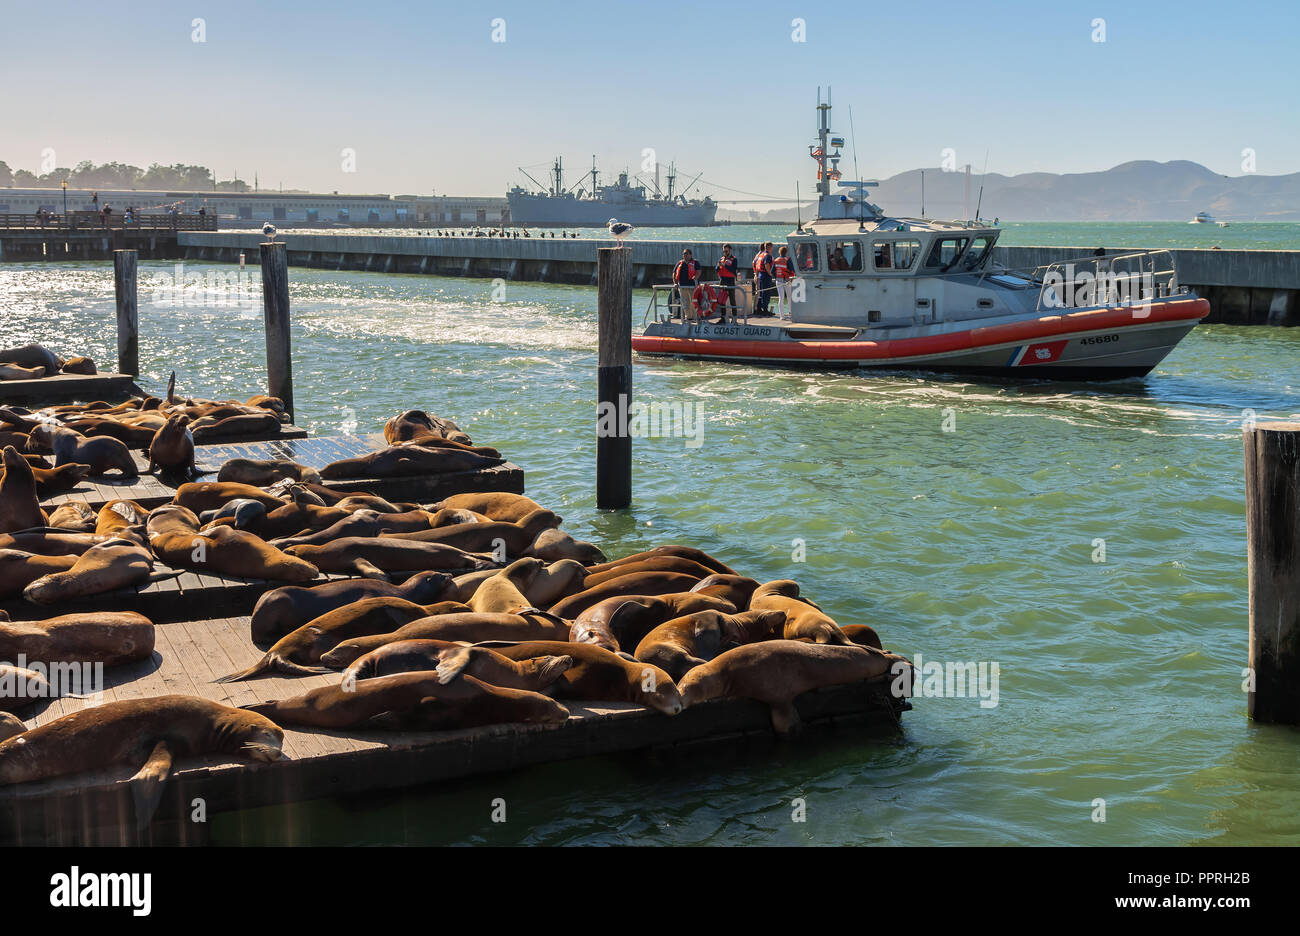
[[945, 252], [978, 252], [895, 254]]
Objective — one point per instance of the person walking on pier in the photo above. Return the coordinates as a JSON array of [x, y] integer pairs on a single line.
[[727, 285], [783, 272], [763, 280], [684, 276]]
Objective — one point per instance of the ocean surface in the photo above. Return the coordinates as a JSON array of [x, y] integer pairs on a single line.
[[1120, 680], [1239, 235]]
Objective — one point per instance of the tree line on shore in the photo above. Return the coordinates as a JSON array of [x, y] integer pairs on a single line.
[[116, 175]]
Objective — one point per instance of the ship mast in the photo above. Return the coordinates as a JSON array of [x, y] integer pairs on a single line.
[[593, 176], [559, 175], [823, 135]]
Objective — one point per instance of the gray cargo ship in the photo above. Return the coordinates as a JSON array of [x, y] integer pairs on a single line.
[[593, 206]]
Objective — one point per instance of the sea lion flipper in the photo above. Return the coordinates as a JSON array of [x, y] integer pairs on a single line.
[[785, 718], [451, 663], [147, 784]]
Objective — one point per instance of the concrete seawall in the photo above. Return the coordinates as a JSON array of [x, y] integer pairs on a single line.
[[1245, 287]]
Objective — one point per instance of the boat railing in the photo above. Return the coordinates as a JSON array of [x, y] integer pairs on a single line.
[[666, 301], [1134, 278]]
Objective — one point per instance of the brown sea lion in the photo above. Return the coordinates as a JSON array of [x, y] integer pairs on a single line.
[[101, 453], [451, 659], [734, 588], [10, 726], [504, 593], [20, 686], [864, 635], [683, 643], [554, 545], [48, 541], [494, 536], [549, 584], [208, 429], [175, 538], [20, 509], [600, 676], [495, 505], [470, 627], [778, 671], [105, 567], [288, 520], [375, 557], [284, 609], [129, 434], [463, 702], [660, 552], [624, 620], [416, 424], [172, 448], [802, 618], [76, 516], [118, 515], [361, 523], [79, 365], [656, 564], [109, 637], [643, 583], [297, 651], [404, 460], [199, 496], [18, 372], [154, 731], [19, 569], [448, 516], [51, 482], [33, 355], [264, 471]]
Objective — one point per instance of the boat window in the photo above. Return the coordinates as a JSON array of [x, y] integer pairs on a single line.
[[896, 255], [945, 251], [844, 256], [978, 252], [806, 257]]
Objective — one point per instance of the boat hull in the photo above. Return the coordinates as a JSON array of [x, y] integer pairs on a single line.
[[1092, 344]]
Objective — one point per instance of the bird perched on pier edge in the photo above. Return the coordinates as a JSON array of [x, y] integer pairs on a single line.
[[269, 230], [620, 229]]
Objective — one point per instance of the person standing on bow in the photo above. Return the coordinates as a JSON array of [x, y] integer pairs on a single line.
[[727, 285], [685, 275]]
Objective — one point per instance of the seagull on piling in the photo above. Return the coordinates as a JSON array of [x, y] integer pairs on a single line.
[[619, 229], [269, 230]]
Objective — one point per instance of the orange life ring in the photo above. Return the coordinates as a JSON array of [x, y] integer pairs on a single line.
[[703, 300]]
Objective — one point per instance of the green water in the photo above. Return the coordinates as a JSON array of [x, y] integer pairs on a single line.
[[1119, 680]]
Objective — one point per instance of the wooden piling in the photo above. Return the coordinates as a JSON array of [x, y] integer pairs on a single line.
[[128, 314], [275, 308], [614, 378], [1273, 567]]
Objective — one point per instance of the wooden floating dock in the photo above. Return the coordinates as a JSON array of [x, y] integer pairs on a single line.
[[97, 807], [150, 491], [69, 388]]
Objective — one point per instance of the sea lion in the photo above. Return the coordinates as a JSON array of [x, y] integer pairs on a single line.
[[643, 583], [451, 659], [76, 516], [600, 676], [208, 429], [375, 557], [415, 424], [109, 637], [802, 618], [154, 731], [471, 627], [405, 460], [105, 567], [554, 545], [495, 505], [175, 538], [624, 620], [463, 702], [287, 520], [656, 564], [684, 643], [240, 513], [48, 541], [51, 482], [448, 516], [128, 433], [199, 496], [504, 592], [118, 515], [778, 671], [864, 635], [101, 453], [79, 365], [21, 686], [19, 569], [33, 355], [362, 523], [284, 609], [493, 536], [550, 583], [734, 588], [680, 552], [172, 448], [264, 471], [18, 372], [20, 509], [298, 650], [10, 726]]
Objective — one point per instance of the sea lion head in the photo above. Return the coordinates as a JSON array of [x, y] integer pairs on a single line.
[[12, 459], [751, 626], [249, 734], [786, 588], [657, 689], [547, 669], [523, 571]]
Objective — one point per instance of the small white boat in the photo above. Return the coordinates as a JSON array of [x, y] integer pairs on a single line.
[[1221, 223], [1202, 217], [912, 293]]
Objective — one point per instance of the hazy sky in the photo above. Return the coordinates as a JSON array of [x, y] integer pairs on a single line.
[[429, 101]]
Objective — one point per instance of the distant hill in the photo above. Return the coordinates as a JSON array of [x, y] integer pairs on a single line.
[[1133, 191]]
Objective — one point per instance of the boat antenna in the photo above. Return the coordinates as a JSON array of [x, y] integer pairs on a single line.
[[922, 193], [853, 135], [798, 207], [981, 195]]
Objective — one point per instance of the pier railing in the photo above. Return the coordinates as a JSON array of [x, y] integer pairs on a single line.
[[90, 221]]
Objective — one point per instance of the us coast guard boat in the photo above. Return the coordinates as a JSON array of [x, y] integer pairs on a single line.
[[913, 293]]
